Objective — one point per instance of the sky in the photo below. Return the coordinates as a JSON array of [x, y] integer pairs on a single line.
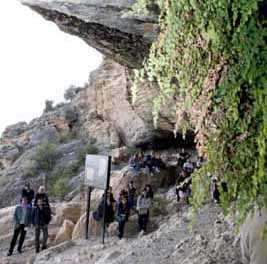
[[37, 62]]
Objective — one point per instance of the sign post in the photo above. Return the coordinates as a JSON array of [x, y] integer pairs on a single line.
[[105, 200], [88, 212], [97, 174]]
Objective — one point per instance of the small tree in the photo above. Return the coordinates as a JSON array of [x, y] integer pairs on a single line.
[[46, 158], [71, 92], [48, 106]]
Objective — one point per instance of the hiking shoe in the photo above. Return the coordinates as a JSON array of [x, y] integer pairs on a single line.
[[44, 247], [9, 253], [141, 233], [19, 251]]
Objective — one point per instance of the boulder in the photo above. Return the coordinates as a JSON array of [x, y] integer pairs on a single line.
[[15, 130], [253, 243], [65, 232], [68, 211], [8, 154], [6, 220], [79, 229]]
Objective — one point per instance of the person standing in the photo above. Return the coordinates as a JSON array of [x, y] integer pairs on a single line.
[[131, 195], [22, 219], [149, 191], [122, 211], [143, 205], [41, 217], [28, 192]]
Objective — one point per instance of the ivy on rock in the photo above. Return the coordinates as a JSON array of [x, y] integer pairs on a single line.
[[211, 57]]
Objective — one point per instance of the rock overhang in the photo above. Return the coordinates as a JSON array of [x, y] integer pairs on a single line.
[[104, 25]]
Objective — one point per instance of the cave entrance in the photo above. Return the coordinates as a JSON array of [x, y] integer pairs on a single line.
[[166, 140]]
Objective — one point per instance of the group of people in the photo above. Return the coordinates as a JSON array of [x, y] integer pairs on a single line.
[[149, 162], [33, 210], [184, 179], [127, 203]]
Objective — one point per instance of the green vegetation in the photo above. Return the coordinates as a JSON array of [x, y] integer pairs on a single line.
[[46, 156], [213, 53], [71, 92], [48, 106], [65, 137], [58, 180], [90, 148], [131, 151], [159, 206]]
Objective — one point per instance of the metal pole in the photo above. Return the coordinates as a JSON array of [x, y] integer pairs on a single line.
[[105, 200], [88, 212]]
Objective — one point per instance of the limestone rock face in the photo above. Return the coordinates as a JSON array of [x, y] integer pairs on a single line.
[[8, 154], [112, 117], [6, 220], [104, 25], [108, 100], [18, 148], [65, 232]]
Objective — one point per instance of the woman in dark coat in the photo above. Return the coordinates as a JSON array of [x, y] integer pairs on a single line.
[[41, 195], [122, 211]]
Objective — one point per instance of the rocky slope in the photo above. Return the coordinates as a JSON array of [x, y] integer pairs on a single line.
[[212, 240]]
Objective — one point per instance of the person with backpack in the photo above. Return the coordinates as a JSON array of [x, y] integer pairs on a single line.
[[22, 219], [183, 189], [122, 212], [143, 205], [28, 192], [41, 217], [109, 213]]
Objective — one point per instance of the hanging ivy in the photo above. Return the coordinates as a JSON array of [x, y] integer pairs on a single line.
[[216, 50]]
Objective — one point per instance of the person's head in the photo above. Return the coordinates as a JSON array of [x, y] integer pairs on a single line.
[[41, 189], [148, 187], [27, 185], [144, 192], [24, 200], [40, 202]]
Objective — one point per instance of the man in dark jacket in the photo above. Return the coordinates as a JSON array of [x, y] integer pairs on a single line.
[[22, 219], [28, 192], [41, 217]]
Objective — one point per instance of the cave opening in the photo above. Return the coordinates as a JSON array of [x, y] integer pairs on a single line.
[[166, 140]]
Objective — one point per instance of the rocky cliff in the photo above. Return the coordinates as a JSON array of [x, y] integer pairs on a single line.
[[103, 111]]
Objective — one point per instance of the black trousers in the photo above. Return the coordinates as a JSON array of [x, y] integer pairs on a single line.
[[18, 231], [121, 228], [38, 230], [142, 221]]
